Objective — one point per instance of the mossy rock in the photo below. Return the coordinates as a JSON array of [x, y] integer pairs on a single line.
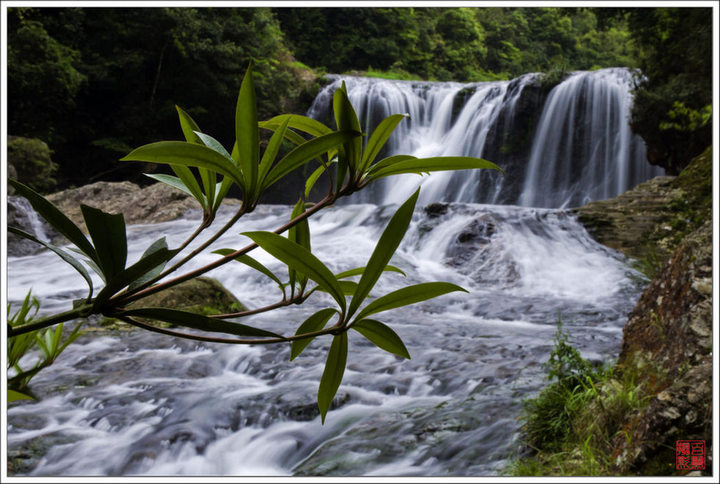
[[31, 163], [201, 295]]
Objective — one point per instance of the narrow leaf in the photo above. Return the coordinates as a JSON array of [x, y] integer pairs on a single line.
[[390, 160], [271, 151], [132, 273], [301, 260], [382, 336], [61, 253], [299, 233], [347, 119], [221, 192], [313, 178], [379, 138], [107, 232], [333, 373], [316, 322], [295, 121], [174, 182], [408, 295], [186, 154], [159, 244], [426, 165], [306, 152], [384, 250], [249, 261], [189, 180], [198, 321], [14, 396], [348, 287], [214, 144], [189, 126], [359, 272], [55, 217], [246, 130]]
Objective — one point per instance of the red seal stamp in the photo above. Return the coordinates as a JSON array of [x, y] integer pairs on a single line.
[[690, 455]]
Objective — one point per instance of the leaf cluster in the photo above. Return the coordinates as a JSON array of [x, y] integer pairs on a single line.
[[340, 154]]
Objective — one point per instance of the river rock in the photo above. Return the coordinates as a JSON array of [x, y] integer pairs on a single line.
[[202, 295], [670, 333], [650, 220], [155, 203]]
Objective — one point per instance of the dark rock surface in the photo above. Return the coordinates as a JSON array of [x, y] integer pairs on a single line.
[[670, 333]]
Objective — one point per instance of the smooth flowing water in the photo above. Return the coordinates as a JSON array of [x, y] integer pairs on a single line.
[[558, 149], [137, 403]]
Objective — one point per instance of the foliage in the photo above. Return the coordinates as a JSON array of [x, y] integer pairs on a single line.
[[31, 160], [672, 97], [571, 426], [48, 341], [350, 167]]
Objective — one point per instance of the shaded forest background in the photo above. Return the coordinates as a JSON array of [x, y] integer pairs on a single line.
[[93, 83]]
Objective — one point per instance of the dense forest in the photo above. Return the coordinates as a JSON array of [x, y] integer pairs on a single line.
[[93, 83]]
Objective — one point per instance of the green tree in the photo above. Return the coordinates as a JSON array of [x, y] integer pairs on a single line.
[[675, 47]]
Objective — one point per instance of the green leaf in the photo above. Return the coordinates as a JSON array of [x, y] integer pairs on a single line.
[[246, 131], [271, 151], [209, 181], [390, 160], [333, 373], [313, 178], [221, 192], [299, 233], [14, 396], [156, 246], [249, 261], [295, 121], [63, 255], [379, 138], [348, 287], [301, 259], [316, 322], [56, 218], [132, 273], [426, 165], [306, 152], [214, 144], [359, 272], [175, 182], [382, 336], [198, 321], [107, 232], [346, 119], [189, 180], [186, 154], [408, 295], [384, 250], [188, 125]]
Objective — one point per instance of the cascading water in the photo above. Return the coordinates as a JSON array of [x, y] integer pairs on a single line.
[[571, 148], [138, 403]]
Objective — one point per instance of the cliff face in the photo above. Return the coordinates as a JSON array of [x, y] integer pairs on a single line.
[[669, 334]]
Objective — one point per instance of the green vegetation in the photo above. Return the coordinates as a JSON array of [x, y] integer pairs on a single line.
[[571, 427], [673, 99], [343, 159], [30, 157], [70, 68], [48, 341]]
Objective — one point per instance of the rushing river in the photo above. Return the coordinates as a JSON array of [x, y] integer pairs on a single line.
[[138, 403]]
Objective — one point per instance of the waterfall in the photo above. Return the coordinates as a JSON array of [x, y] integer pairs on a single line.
[[560, 149], [22, 216]]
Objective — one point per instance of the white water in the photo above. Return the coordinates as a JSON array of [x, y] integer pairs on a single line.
[[581, 147], [138, 403], [144, 404]]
